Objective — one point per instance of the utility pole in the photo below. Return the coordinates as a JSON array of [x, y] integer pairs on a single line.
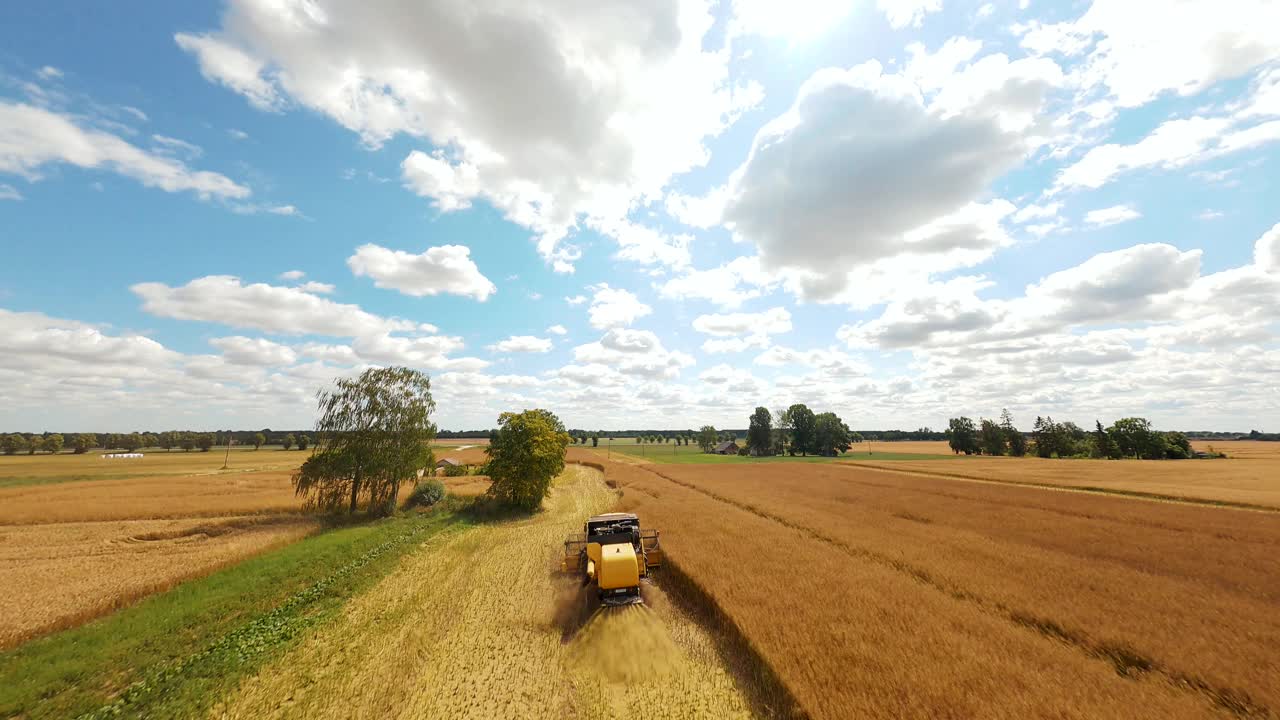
[[226, 457]]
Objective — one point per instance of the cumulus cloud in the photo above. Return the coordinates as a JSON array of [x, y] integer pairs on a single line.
[[522, 343], [864, 169], [9, 192], [33, 137], [728, 286], [225, 300], [770, 322], [634, 353], [291, 275], [444, 269], [614, 307], [1114, 215], [551, 137], [907, 13], [241, 350], [557, 330]]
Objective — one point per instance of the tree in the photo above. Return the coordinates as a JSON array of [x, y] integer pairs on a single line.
[[781, 430], [595, 440], [802, 428], [639, 439], [1176, 446], [1135, 438], [288, 441], [187, 441], [830, 435], [166, 440], [1016, 441], [374, 433], [15, 443], [53, 443], [962, 435], [760, 432], [109, 442], [992, 439], [83, 442], [1102, 441], [707, 438], [529, 452], [204, 441], [149, 440], [303, 441], [259, 440]]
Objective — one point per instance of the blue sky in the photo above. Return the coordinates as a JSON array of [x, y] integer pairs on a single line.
[[655, 215]]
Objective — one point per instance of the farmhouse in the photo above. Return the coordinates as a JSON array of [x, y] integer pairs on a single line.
[[447, 462], [728, 447]]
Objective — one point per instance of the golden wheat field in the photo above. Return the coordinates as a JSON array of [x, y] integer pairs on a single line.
[[1250, 478], [474, 625], [57, 575], [875, 594]]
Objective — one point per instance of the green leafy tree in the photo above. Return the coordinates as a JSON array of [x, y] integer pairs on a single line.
[[760, 432], [1135, 438], [109, 441], [204, 441], [707, 438], [83, 442], [992, 439], [166, 441], [1013, 437], [527, 455], [1103, 442], [288, 442], [130, 442], [259, 440], [187, 441], [803, 426], [1046, 436], [830, 435], [1176, 446], [53, 443], [15, 443], [962, 435], [374, 433], [303, 441], [595, 440]]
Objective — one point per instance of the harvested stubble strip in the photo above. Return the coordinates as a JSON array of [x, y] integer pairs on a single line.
[[1138, 583], [850, 637]]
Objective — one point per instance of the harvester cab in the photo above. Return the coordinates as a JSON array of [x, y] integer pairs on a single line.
[[613, 553]]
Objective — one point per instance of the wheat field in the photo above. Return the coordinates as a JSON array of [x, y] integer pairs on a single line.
[[890, 595], [471, 626]]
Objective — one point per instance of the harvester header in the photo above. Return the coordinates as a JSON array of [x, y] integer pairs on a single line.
[[613, 554]]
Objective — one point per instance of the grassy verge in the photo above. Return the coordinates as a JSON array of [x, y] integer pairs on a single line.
[[174, 654]]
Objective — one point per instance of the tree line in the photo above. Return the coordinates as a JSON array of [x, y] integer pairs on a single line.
[[186, 440], [795, 430], [1131, 437]]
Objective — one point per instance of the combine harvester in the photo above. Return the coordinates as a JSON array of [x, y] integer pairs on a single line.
[[613, 554]]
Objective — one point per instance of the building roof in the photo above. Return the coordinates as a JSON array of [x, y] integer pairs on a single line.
[[726, 445], [447, 461]]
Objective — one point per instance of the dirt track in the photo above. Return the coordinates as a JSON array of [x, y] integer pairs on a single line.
[[470, 626]]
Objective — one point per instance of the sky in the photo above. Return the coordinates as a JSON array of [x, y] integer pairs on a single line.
[[641, 214]]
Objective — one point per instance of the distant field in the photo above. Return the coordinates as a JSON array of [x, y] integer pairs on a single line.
[[16, 470], [1250, 478], [932, 598]]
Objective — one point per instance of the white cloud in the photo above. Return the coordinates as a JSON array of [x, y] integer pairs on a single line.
[[1194, 44], [32, 137], [703, 211], [522, 343], [1209, 214], [727, 286], [882, 175], [557, 330], [9, 192], [1114, 215], [614, 307], [829, 363], [238, 134], [715, 346], [49, 72], [576, 299], [633, 353], [1037, 212], [135, 113], [444, 269], [291, 275], [241, 350], [312, 286], [907, 13], [597, 110], [770, 322], [430, 352], [232, 67], [166, 145], [223, 299]]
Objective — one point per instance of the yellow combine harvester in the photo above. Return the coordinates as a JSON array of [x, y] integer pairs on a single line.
[[613, 553]]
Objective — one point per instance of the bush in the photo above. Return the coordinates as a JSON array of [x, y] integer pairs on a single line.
[[426, 494], [744, 451], [456, 470]]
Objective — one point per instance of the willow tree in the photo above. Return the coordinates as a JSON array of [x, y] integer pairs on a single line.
[[374, 433]]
